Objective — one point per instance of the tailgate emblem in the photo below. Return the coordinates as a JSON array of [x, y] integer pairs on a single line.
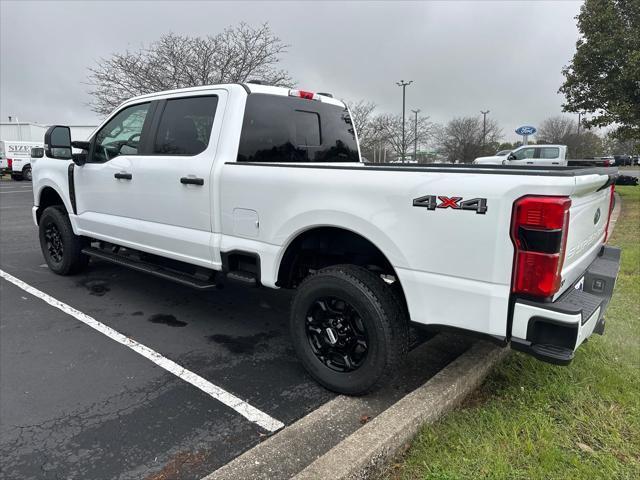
[[596, 217]]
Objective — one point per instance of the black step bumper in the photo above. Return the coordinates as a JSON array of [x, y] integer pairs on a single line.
[[553, 331]]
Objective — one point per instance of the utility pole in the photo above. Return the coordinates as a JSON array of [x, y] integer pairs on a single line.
[[415, 135], [403, 84], [484, 128]]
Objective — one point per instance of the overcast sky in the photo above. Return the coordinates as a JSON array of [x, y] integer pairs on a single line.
[[463, 57]]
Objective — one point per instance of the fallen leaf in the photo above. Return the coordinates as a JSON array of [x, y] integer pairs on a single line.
[[585, 448], [364, 418]]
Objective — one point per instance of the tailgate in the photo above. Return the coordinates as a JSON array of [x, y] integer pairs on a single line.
[[588, 218]]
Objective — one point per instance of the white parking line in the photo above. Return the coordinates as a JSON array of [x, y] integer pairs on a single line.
[[15, 191], [243, 408]]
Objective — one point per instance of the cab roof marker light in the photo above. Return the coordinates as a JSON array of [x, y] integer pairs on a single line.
[[304, 94]]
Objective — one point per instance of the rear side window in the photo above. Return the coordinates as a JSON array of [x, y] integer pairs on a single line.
[[549, 152], [289, 129], [185, 126]]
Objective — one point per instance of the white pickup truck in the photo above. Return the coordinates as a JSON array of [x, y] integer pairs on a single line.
[[541, 156], [264, 186]]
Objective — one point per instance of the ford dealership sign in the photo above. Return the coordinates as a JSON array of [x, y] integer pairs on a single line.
[[526, 130]]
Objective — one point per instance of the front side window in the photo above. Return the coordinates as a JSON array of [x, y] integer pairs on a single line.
[[525, 153], [121, 135], [185, 126], [287, 129], [549, 152]]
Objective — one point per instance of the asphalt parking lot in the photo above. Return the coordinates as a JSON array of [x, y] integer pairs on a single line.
[[74, 403]]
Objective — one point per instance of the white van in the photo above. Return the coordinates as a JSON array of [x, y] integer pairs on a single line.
[[15, 158]]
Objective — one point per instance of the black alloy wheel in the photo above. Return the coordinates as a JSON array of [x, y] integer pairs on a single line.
[[336, 333]]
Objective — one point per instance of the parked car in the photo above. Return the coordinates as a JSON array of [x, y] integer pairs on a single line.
[[264, 186], [623, 160], [540, 155], [15, 158]]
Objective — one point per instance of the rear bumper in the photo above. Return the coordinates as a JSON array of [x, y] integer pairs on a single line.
[[553, 331]]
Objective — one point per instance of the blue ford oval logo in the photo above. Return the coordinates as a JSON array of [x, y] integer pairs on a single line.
[[596, 217], [526, 130]]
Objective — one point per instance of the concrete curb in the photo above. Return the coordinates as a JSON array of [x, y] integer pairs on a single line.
[[366, 452]]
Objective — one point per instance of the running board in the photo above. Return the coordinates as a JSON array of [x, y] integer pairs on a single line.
[[151, 268]]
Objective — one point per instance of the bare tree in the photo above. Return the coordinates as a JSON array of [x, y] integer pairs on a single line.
[[388, 130], [461, 139], [563, 130], [556, 129], [362, 117], [237, 54]]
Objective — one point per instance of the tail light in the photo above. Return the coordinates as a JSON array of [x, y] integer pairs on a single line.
[[539, 228], [9, 163], [304, 94], [606, 232]]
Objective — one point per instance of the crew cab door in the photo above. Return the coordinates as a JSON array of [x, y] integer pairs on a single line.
[[523, 156], [104, 184], [172, 192], [550, 157]]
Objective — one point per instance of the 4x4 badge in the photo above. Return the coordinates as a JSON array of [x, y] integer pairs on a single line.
[[430, 202]]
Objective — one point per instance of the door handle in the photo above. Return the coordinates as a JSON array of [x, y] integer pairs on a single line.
[[192, 181], [123, 176]]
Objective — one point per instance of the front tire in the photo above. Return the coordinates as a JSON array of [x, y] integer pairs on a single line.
[[348, 329], [61, 248]]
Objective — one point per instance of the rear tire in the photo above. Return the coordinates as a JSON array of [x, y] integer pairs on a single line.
[[61, 248], [348, 329], [26, 173]]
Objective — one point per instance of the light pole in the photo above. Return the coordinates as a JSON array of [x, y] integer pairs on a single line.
[[403, 84], [415, 135], [579, 121], [484, 127], [578, 148]]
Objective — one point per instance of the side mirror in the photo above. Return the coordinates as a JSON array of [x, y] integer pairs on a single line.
[[37, 152], [511, 157], [57, 142], [81, 145]]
